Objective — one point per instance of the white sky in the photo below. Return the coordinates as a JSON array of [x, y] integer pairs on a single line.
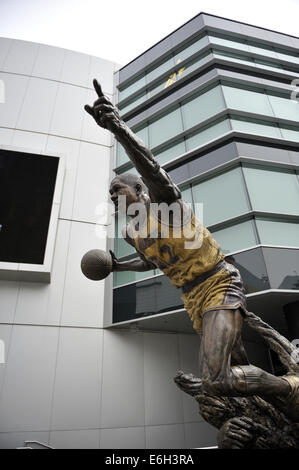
[[119, 30]]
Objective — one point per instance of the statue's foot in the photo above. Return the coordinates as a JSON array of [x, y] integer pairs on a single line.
[[188, 383]]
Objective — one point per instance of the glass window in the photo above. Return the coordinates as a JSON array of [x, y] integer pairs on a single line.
[[222, 41], [278, 232], [282, 265], [264, 64], [287, 57], [290, 133], [207, 134], [284, 107], [130, 170], [218, 54], [272, 190], [223, 197], [121, 156], [253, 270], [140, 98], [187, 196], [236, 238], [166, 127], [263, 50], [169, 153], [124, 277], [247, 99], [253, 126], [121, 247], [129, 89], [191, 49], [202, 107], [164, 65]]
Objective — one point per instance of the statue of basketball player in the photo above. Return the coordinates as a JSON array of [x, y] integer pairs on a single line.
[[213, 292]]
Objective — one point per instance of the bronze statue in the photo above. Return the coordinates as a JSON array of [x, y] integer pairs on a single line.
[[212, 288]]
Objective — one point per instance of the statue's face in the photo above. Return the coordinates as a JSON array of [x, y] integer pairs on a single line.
[[119, 188]]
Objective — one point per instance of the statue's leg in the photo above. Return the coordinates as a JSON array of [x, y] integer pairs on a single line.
[[221, 334]]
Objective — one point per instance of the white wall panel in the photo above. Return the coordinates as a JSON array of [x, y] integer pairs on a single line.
[[48, 63], [103, 71], [125, 438], [76, 403], [5, 135], [163, 400], [165, 437], [15, 87], [83, 299], [81, 439], [67, 119], [8, 300], [123, 385], [69, 149], [38, 105], [75, 69], [92, 182], [5, 44], [21, 57], [29, 141], [40, 303], [28, 383]]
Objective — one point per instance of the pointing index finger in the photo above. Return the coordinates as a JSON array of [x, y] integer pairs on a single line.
[[98, 88]]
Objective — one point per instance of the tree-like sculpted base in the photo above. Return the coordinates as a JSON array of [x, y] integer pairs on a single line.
[[251, 422]]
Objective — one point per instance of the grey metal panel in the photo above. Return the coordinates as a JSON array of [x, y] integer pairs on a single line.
[[279, 38], [295, 42], [132, 68], [158, 50], [294, 156], [213, 159], [222, 24], [192, 27], [263, 152]]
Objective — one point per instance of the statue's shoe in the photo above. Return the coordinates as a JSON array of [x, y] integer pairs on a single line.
[[290, 403]]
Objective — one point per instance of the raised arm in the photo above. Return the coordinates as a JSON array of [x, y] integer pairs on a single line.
[[160, 185]]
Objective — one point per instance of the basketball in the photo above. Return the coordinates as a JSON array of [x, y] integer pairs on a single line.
[[96, 264]]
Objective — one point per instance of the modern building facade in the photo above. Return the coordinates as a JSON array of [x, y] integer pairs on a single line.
[[216, 102], [91, 364]]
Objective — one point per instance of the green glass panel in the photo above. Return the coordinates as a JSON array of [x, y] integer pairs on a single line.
[[287, 57], [187, 196], [222, 41], [255, 127], [130, 170], [165, 65], [264, 64], [171, 152], [223, 197], [207, 134], [202, 107], [232, 57], [259, 49], [140, 98], [166, 127], [124, 277], [121, 156], [129, 89], [290, 133], [191, 48], [284, 107], [281, 233], [236, 238], [121, 247], [142, 134], [272, 190], [246, 99]]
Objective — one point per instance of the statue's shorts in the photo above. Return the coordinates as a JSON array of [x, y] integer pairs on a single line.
[[221, 290]]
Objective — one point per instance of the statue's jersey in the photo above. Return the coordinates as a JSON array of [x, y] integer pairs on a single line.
[[183, 250]]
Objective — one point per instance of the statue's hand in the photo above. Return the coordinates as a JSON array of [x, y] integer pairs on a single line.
[[236, 433], [115, 261], [103, 111]]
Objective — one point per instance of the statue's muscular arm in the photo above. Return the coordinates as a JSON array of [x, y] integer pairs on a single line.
[[161, 187]]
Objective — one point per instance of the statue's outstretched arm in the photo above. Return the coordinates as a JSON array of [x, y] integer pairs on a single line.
[[160, 185]]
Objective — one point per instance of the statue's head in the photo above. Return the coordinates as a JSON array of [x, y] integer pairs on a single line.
[[130, 186]]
